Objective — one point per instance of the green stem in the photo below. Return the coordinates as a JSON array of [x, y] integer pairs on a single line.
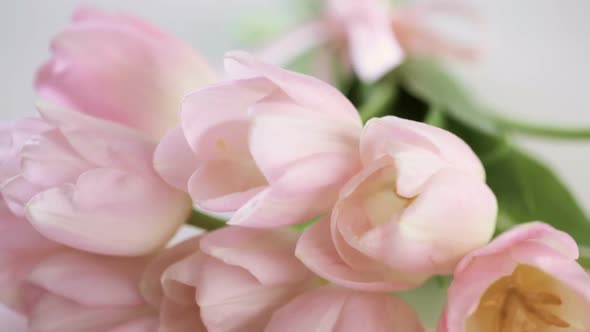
[[381, 95], [537, 129], [204, 221]]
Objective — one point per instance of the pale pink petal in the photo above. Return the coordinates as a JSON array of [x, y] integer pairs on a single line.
[[316, 250], [334, 309], [534, 244], [13, 135], [269, 255], [90, 280], [176, 317], [12, 321], [295, 43], [217, 104], [16, 192], [225, 185], [418, 242], [374, 50], [537, 231], [308, 188], [55, 314], [21, 249], [174, 160], [390, 135], [283, 133], [231, 299], [150, 285], [102, 143], [49, 160], [112, 82], [144, 324], [72, 214], [305, 90]]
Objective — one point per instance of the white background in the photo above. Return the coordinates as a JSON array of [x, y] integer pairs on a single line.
[[536, 63]]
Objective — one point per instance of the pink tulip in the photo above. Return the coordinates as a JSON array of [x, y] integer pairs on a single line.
[[119, 68], [230, 280], [397, 220], [88, 184], [271, 145], [11, 321], [21, 248], [71, 291], [372, 35], [525, 280], [334, 309]]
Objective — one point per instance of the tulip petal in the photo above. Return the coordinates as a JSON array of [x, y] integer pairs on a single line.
[[90, 280], [267, 254], [102, 143], [316, 250], [390, 135], [55, 314], [224, 186], [306, 190], [174, 160], [330, 309], [307, 91], [374, 50], [150, 285], [144, 324], [217, 104], [72, 215], [534, 244], [12, 321], [112, 82], [48, 160], [283, 133], [231, 299]]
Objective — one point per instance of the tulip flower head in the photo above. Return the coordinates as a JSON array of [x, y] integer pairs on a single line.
[[271, 146], [396, 221], [119, 68], [525, 280]]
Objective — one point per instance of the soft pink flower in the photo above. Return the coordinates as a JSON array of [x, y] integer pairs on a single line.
[[69, 291], [88, 183], [271, 145], [119, 68], [11, 321], [228, 280], [21, 248], [525, 280], [372, 35], [335, 309], [396, 222]]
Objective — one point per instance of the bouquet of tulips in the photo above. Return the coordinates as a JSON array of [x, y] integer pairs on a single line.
[[154, 193]]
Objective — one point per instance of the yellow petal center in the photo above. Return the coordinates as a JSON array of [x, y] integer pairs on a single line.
[[525, 301]]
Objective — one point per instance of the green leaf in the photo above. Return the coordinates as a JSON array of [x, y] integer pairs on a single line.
[[428, 300], [526, 189], [431, 82], [205, 221]]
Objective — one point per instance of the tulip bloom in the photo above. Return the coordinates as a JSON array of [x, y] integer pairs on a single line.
[[273, 146], [228, 280], [69, 290], [396, 221], [89, 184], [119, 68], [334, 309], [525, 280], [371, 35]]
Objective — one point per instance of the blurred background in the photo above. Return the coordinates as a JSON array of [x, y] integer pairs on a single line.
[[535, 64]]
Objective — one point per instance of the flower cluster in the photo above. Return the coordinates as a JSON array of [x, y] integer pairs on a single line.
[[327, 216]]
